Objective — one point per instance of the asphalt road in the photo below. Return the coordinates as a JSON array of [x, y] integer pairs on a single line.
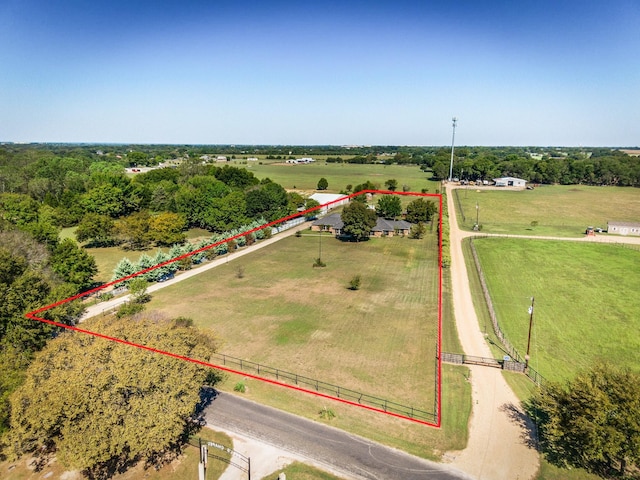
[[345, 454]]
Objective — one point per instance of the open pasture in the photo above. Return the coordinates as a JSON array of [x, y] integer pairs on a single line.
[[586, 301], [559, 210], [339, 175], [273, 308]]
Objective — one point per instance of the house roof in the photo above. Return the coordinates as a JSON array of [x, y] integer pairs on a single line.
[[386, 225], [382, 224], [323, 198], [333, 220]]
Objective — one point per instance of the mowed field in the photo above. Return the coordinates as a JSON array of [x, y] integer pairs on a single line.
[[273, 308], [339, 175], [559, 210], [586, 301]]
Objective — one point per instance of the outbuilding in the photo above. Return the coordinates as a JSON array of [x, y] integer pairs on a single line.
[[623, 228], [510, 182], [329, 201]]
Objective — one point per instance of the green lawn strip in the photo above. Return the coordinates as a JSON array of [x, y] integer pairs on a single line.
[[479, 302], [414, 438], [339, 175], [559, 210], [586, 301], [551, 472], [285, 314], [450, 339], [300, 471]]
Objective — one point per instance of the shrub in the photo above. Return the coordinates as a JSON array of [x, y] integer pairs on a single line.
[[129, 308], [319, 263], [327, 413], [240, 387], [354, 284]]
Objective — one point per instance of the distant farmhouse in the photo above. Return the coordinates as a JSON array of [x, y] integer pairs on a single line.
[[623, 228], [302, 161], [510, 182], [384, 227]]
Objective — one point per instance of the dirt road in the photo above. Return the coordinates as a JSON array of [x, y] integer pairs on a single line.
[[500, 443]]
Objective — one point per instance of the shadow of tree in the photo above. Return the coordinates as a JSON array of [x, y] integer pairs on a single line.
[[529, 434]]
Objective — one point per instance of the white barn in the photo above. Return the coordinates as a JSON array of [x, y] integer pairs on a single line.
[[510, 182], [623, 228], [334, 199]]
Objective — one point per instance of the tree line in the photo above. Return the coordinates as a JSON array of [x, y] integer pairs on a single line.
[[41, 192]]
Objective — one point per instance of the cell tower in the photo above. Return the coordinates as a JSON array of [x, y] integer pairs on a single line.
[[453, 139]]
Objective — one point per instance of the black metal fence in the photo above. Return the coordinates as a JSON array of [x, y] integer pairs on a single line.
[[462, 359], [324, 387]]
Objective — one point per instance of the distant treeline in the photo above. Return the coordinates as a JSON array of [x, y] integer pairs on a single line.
[[601, 166], [551, 165]]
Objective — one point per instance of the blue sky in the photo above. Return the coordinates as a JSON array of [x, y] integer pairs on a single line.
[[321, 72]]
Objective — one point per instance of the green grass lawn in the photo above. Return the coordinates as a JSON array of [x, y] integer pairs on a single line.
[[285, 314], [560, 210], [586, 301], [339, 175], [379, 340], [300, 471]]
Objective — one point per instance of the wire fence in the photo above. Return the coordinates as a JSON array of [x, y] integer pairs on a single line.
[[324, 388], [509, 348]]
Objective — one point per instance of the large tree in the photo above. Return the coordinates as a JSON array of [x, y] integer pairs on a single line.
[[95, 228], [358, 220], [99, 405], [593, 422], [420, 210], [389, 206], [73, 264], [267, 200]]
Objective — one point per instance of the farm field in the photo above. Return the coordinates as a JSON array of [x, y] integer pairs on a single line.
[[273, 308], [339, 175], [559, 210], [586, 302]]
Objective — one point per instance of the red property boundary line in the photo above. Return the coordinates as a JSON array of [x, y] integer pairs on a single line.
[[33, 315]]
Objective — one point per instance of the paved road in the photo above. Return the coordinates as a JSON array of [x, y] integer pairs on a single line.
[[347, 455]]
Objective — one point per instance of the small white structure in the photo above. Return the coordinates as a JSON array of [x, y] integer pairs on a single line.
[[510, 182], [300, 161], [333, 199], [623, 228]]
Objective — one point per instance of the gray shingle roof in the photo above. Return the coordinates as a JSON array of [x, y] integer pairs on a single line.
[[382, 224]]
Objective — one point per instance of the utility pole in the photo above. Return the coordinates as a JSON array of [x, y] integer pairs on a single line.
[[453, 139], [526, 357]]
